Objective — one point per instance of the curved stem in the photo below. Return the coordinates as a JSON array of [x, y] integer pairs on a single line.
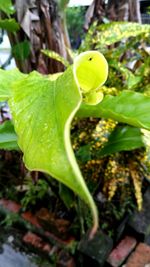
[[95, 217]]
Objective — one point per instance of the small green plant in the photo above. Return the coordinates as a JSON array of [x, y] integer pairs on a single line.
[[10, 219], [35, 192]]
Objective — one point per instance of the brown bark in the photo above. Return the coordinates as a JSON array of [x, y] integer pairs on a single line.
[[43, 24], [134, 7], [122, 10], [96, 11]]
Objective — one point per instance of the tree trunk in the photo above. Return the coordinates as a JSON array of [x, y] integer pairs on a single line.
[[96, 11], [115, 10], [124, 10], [43, 24]]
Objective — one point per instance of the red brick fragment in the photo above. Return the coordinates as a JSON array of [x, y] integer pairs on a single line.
[[46, 248], [33, 239], [140, 257], [63, 242], [53, 224], [10, 205], [122, 251], [37, 242], [28, 216]]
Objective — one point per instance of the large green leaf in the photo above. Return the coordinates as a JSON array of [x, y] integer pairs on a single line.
[[9, 25], [21, 51], [113, 32], [6, 80], [123, 138], [128, 107], [107, 34], [7, 7], [8, 137], [43, 109]]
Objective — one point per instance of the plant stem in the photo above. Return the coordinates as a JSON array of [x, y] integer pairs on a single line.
[[95, 217]]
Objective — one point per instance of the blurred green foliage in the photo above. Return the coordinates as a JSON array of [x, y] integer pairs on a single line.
[[75, 21], [7, 7], [35, 192]]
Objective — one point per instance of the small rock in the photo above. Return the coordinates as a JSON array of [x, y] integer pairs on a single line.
[[122, 251], [65, 260], [10, 239], [95, 251], [101, 198]]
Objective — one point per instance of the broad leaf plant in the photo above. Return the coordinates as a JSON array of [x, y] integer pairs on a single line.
[[43, 108]]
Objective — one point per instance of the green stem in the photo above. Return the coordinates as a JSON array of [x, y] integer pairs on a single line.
[[95, 217]]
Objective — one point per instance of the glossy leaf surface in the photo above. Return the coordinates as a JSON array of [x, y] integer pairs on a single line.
[[8, 137], [6, 80], [100, 36], [42, 110], [7, 7], [128, 107], [116, 31], [9, 25], [123, 138], [21, 51]]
